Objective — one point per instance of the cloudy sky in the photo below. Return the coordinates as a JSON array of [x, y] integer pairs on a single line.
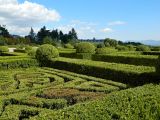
[[119, 19]]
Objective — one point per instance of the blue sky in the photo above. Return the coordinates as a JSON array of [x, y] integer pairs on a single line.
[[119, 19]]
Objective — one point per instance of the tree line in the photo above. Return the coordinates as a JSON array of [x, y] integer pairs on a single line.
[[43, 36]]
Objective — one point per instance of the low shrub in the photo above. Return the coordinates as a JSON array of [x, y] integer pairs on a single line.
[[85, 47]]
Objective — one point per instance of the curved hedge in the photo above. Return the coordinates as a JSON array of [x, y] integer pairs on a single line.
[[141, 103]]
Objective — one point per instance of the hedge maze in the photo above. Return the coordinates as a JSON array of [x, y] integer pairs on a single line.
[[28, 92]]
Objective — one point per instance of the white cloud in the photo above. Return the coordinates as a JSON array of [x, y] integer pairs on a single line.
[[84, 29], [107, 30], [116, 23], [24, 15]]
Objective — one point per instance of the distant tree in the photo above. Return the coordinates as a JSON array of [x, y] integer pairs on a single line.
[[42, 34], [54, 35], [65, 38], [60, 35], [32, 35], [74, 34], [2, 40], [3, 31]]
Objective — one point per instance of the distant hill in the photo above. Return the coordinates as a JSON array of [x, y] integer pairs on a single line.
[[151, 42], [147, 42]]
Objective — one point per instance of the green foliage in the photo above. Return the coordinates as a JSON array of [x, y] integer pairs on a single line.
[[2, 40], [122, 48], [85, 47], [110, 42], [45, 53], [47, 40], [69, 46], [105, 50], [100, 45], [28, 48], [155, 48], [131, 48], [158, 66], [32, 53], [128, 74], [4, 32], [127, 59], [17, 63], [3, 49], [151, 53], [132, 104], [143, 48]]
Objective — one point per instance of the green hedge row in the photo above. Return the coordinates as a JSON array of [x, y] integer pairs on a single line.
[[20, 51], [151, 53], [128, 74], [141, 103], [77, 55], [18, 63], [125, 59], [6, 54], [145, 61]]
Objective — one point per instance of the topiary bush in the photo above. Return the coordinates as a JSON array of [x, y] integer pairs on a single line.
[[3, 49], [45, 53], [69, 46], [105, 50], [85, 47], [143, 48]]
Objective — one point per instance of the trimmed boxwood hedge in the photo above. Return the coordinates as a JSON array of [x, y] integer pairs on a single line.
[[138, 60], [120, 73], [141, 103], [125, 59], [151, 53], [18, 63]]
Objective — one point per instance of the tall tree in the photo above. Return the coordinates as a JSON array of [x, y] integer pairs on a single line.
[[3, 31], [32, 35], [54, 35], [42, 34], [74, 34]]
